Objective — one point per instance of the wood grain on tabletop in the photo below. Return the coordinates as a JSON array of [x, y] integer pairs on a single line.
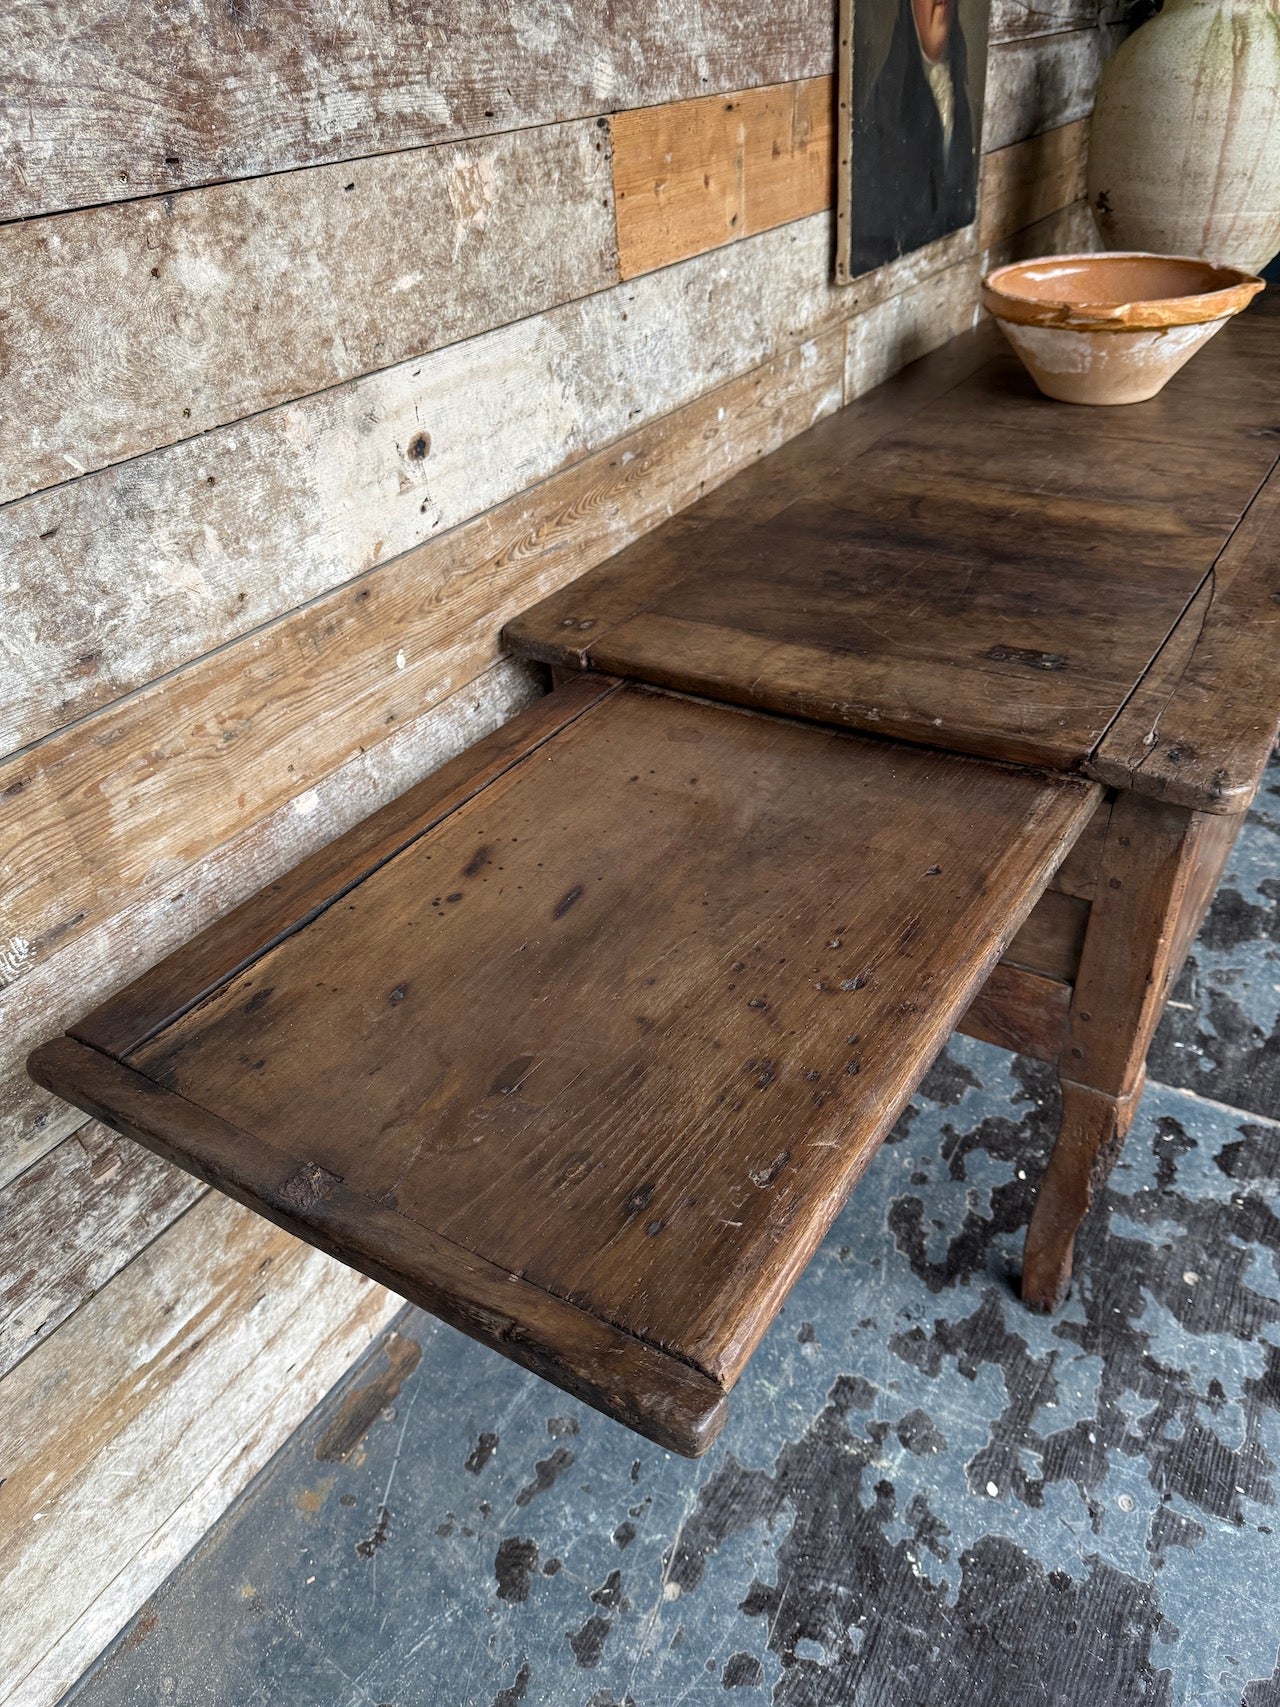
[[1200, 729], [129, 1018], [676, 1405], [623, 1066], [991, 575], [562, 627]]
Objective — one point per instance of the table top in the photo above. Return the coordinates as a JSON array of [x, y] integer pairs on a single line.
[[958, 561], [583, 1042]]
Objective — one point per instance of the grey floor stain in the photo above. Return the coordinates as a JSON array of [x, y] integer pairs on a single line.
[[1220, 1035], [924, 1494]]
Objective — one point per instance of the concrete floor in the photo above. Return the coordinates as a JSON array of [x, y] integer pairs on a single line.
[[924, 1494]]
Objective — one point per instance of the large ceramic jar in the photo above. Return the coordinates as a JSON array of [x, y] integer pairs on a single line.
[[1184, 146]]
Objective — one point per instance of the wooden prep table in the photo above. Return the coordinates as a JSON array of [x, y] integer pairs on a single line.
[[960, 562], [583, 1042]]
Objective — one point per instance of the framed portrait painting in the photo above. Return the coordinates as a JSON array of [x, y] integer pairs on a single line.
[[912, 76]]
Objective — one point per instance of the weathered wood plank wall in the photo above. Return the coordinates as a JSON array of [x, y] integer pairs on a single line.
[[327, 347], [120, 315], [129, 106]]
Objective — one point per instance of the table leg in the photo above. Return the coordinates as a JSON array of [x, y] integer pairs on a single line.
[[1094, 1126], [1160, 867]]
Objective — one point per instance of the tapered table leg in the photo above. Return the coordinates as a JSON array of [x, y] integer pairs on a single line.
[[1160, 867], [1094, 1126]]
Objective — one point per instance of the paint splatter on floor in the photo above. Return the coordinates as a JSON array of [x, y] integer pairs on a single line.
[[924, 1493]]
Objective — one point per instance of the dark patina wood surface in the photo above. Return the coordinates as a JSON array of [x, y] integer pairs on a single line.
[[583, 1042], [962, 563], [986, 571]]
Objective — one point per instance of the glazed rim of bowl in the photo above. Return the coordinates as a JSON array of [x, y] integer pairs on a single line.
[[1117, 292]]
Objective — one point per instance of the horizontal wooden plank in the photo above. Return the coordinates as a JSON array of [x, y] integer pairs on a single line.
[[419, 606], [1011, 19], [157, 1402], [1029, 180], [121, 114], [690, 175], [121, 119], [173, 291], [119, 577], [173, 905], [1041, 82], [98, 610], [905, 327], [134, 326], [1022, 1011], [1070, 231], [71, 1222]]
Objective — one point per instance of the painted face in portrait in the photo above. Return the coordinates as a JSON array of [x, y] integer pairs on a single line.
[[933, 26]]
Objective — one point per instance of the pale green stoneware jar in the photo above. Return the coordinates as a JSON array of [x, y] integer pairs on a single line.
[[1184, 144]]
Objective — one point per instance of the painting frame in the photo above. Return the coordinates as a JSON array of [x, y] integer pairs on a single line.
[[859, 253]]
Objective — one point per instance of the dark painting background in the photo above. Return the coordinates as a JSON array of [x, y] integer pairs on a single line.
[[867, 174]]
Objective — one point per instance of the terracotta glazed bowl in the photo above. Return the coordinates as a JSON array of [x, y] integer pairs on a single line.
[[1112, 328]]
